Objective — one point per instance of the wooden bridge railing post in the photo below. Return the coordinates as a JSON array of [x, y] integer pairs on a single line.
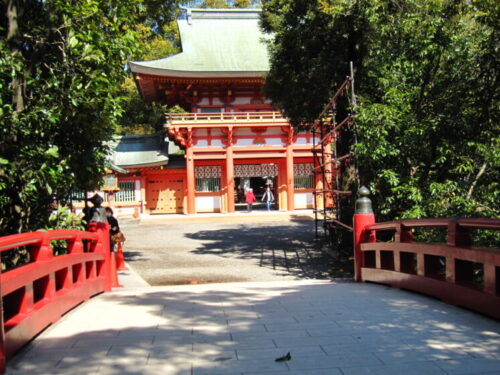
[[102, 246], [3, 359], [363, 217]]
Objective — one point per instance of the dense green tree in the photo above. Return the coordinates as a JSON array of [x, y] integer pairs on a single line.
[[61, 65], [427, 82]]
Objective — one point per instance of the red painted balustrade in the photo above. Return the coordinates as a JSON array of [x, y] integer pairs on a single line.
[[180, 118], [37, 294], [456, 271]]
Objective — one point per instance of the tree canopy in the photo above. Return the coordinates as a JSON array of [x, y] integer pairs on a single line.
[[61, 65], [427, 78]]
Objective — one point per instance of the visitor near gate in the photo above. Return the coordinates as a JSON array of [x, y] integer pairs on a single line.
[[114, 229], [250, 198], [268, 197]]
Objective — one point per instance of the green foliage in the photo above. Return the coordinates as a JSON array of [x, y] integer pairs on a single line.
[[427, 83], [61, 66], [63, 218]]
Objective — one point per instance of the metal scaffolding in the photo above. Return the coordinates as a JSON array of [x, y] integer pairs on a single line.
[[329, 135]]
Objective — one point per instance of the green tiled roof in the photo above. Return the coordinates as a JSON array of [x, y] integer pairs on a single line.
[[134, 151], [215, 42]]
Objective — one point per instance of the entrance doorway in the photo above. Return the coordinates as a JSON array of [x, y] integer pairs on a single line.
[[258, 185], [256, 177]]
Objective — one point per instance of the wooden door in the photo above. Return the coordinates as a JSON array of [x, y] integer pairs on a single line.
[[165, 195]]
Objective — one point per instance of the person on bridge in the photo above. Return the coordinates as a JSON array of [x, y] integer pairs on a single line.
[[114, 228], [268, 197], [250, 198]]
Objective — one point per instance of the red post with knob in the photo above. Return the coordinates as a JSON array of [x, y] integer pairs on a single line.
[[363, 218]]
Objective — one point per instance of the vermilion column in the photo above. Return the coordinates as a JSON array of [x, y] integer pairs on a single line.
[[230, 171], [327, 162], [190, 180], [290, 190], [230, 178]]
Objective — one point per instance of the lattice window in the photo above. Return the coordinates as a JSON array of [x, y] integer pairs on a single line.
[[305, 169], [208, 171], [208, 185], [303, 182], [303, 176], [255, 170], [126, 192]]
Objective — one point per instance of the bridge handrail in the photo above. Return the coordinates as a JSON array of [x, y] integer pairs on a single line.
[[456, 271], [38, 293], [473, 223]]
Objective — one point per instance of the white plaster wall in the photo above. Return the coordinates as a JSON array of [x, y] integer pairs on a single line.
[[241, 100], [207, 203], [137, 190], [303, 200], [201, 143], [300, 141], [274, 141], [244, 142], [124, 210], [217, 143]]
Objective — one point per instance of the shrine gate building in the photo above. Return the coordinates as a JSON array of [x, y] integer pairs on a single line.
[[230, 138]]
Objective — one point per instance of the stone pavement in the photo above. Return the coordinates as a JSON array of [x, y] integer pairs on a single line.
[[241, 328], [216, 248]]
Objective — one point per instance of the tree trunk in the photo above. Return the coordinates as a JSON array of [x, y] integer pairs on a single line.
[[474, 183], [13, 43]]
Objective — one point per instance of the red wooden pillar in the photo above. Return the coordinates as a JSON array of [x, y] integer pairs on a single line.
[[318, 184], [230, 177], [328, 170], [3, 361], [103, 247], [191, 209], [363, 217], [290, 191]]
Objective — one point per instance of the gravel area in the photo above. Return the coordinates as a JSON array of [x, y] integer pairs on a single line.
[[184, 250]]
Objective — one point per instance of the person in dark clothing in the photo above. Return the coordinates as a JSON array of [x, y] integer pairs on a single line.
[[114, 228]]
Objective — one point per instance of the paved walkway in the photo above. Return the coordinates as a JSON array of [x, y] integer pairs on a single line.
[[214, 248], [241, 328]]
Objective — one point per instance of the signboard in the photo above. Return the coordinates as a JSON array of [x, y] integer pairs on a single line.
[[110, 182]]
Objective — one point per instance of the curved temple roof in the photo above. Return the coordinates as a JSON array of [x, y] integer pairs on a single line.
[[139, 151], [215, 43]]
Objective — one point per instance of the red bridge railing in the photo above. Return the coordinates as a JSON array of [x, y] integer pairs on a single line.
[[37, 294], [456, 271]]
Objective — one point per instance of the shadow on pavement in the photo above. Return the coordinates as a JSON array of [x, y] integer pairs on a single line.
[[291, 251], [333, 327]]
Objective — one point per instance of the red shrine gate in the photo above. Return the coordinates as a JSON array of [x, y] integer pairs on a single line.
[[237, 146]]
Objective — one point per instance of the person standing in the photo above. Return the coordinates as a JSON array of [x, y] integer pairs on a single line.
[[114, 228], [268, 197], [250, 198]]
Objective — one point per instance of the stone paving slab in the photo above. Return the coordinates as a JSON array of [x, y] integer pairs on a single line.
[[241, 328], [186, 249]]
